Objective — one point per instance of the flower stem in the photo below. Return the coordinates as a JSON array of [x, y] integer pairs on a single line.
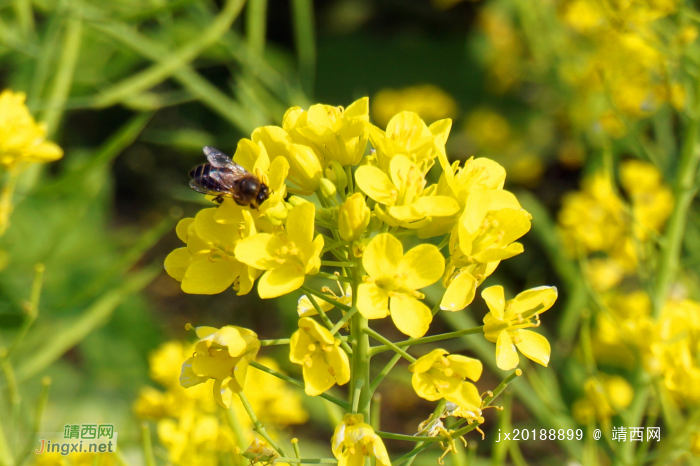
[[389, 344], [502, 386], [325, 298], [338, 264], [420, 341], [343, 404], [342, 321], [684, 192], [279, 341], [390, 365], [356, 395], [149, 457], [257, 425], [360, 364], [283, 459]]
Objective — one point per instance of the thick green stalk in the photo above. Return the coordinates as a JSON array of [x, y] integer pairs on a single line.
[[360, 364], [149, 456], [256, 25], [305, 38]]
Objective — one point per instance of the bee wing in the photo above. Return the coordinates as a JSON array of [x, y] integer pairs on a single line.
[[217, 158], [200, 189]]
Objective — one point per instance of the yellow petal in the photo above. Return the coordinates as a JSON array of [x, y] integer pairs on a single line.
[[259, 250], [506, 356], [187, 376], [207, 277], [358, 109], [382, 256], [422, 266], [372, 301], [317, 377], [424, 363], [424, 386], [316, 331], [340, 363], [278, 282], [183, 227], [247, 153], [498, 254], [300, 225], [460, 293], [540, 298], [410, 316], [438, 206], [495, 300], [374, 182], [177, 262], [466, 396], [299, 346], [534, 346], [465, 366]]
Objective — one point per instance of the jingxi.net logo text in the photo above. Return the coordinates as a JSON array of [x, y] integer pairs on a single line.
[[79, 438]]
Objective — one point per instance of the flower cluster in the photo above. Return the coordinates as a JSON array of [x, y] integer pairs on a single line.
[[367, 204]]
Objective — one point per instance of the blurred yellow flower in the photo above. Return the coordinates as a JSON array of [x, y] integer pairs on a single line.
[[318, 352], [506, 321], [488, 129], [393, 280], [439, 375], [208, 264], [605, 396], [21, 138], [223, 355], [288, 254], [427, 100], [354, 441]]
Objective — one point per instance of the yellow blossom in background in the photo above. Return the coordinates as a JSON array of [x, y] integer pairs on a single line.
[[287, 255], [605, 396], [439, 375], [21, 138], [393, 280], [427, 100], [652, 200], [506, 322], [318, 352], [74, 459], [223, 355], [207, 265], [354, 441], [488, 128]]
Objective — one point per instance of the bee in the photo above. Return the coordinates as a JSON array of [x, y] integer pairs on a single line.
[[222, 177]]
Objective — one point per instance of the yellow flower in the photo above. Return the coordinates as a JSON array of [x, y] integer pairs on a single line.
[[407, 203], [393, 280], [605, 395], [408, 135], [353, 217], [305, 167], [208, 265], [306, 309], [438, 375], [21, 138], [652, 200], [253, 157], [333, 132], [506, 321], [427, 100], [489, 129], [318, 352], [288, 254], [695, 444], [353, 441], [223, 355], [485, 235]]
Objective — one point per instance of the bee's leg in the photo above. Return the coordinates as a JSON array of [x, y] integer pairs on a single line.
[[218, 199], [239, 202]]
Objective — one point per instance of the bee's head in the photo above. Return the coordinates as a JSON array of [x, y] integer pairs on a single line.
[[263, 194]]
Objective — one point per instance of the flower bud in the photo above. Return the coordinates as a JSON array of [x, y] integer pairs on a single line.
[[304, 168], [353, 217], [336, 174], [327, 187]]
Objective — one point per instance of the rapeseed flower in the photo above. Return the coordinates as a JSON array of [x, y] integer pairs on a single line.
[[22, 139], [427, 100], [288, 254], [318, 352], [354, 441], [404, 200], [506, 322], [605, 395], [223, 355], [207, 265], [390, 288], [334, 133], [439, 375], [353, 217]]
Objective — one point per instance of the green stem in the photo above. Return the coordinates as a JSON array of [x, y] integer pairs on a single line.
[[325, 298], [348, 315], [305, 38], [384, 372], [236, 427], [279, 341], [311, 294], [419, 341], [408, 438], [147, 445], [283, 459], [6, 195], [256, 25], [389, 344], [360, 364], [330, 276], [38, 417], [356, 395], [343, 404], [31, 309], [338, 264], [258, 427]]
